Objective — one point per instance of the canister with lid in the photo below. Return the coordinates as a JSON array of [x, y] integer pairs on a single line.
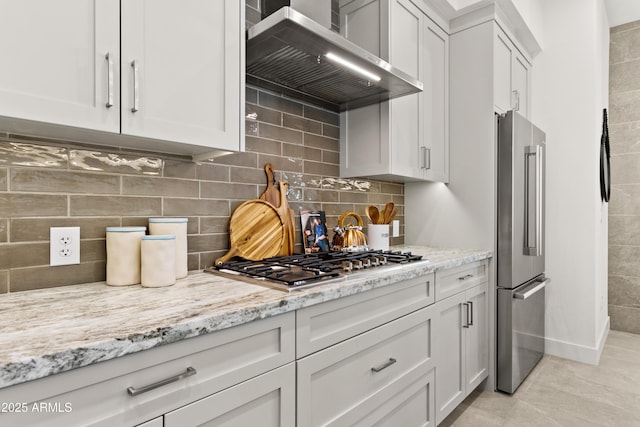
[[123, 255], [176, 227], [158, 253]]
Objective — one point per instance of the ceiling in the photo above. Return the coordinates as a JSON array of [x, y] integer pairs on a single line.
[[618, 11], [622, 11]]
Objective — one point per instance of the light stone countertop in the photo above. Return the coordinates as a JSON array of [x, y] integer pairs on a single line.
[[44, 332]]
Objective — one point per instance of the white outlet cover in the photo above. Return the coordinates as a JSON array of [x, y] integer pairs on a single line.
[[395, 227], [64, 246]]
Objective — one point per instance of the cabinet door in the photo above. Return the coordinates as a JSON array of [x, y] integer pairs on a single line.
[[450, 348], [54, 62], [267, 400], [435, 119], [477, 337], [521, 84], [364, 132], [182, 71], [407, 34], [502, 61]]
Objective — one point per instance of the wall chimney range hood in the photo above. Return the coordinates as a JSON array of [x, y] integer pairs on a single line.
[[292, 54]]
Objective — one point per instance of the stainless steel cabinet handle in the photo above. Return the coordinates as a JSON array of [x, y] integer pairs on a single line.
[[134, 65], [385, 365], [470, 313], [466, 306], [109, 103], [468, 276], [137, 391], [425, 158]]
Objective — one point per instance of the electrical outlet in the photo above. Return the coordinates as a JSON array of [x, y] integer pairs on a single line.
[[395, 227], [64, 245]]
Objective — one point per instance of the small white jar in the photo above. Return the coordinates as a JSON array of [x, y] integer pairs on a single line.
[[123, 255], [176, 227], [158, 254]]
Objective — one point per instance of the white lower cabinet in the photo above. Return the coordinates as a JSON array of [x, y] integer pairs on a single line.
[[383, 377], [267, 400], [461, 341], [405, 354], [134, 389]]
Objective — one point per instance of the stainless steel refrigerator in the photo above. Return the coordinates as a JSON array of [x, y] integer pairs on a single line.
[[521, 276]]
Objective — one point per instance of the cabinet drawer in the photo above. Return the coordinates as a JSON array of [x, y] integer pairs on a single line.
[[266, 401], [451, 281], [323, 325], [355, 377], [97, 394]]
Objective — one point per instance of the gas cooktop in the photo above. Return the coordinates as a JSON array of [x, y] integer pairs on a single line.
[[304, 270]]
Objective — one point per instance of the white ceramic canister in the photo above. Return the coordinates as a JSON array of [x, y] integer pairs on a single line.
[[176, 227], [158, 253], [378, 236], [123, 255]]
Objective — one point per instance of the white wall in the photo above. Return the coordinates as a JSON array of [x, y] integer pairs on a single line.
[[531, 12], [569, 91]]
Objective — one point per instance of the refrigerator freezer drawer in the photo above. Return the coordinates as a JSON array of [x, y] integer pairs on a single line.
[[520, 332]]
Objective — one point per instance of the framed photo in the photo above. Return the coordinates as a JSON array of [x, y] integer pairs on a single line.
[[315, 235]]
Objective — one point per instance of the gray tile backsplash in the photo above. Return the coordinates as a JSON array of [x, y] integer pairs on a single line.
[[624, 206], [47, 183]]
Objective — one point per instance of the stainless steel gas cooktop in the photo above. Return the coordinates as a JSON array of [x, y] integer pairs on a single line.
[[304, 270]]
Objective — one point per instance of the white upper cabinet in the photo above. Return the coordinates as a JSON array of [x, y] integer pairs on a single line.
[[161, 75], [511, 76], [407, 138], [180, 69], [57, 61]]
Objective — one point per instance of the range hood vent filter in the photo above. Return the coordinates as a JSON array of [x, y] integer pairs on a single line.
[[287, 52]]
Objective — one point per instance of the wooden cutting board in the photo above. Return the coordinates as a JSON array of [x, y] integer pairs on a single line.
[[256, 231], [271, 193], [278, 198], [286, 214]]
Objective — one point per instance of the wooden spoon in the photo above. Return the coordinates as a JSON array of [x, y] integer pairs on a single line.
[[386, 213], [373, 214], [392, 215]]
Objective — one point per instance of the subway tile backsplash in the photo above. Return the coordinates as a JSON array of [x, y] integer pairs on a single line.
[[47, 184]]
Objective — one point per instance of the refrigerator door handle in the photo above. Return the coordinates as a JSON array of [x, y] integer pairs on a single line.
[[533, 218], [532, 290]]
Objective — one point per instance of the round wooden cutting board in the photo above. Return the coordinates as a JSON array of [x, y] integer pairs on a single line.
[[256, 231]]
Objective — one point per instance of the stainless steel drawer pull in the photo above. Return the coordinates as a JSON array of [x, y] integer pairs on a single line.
[[136, 96], [468, 314], [468, 276], [426, 158], [109, 103], [385, 365], [137, 391]]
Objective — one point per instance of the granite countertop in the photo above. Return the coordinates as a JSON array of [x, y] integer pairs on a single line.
[[48, 331]]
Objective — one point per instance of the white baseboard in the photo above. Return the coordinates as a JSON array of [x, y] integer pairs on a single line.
[[578, 352]]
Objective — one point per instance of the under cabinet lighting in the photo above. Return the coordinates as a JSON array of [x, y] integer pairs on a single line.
[[337, 59]]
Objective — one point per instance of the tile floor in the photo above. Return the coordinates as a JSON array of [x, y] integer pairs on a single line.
[[561, 392]]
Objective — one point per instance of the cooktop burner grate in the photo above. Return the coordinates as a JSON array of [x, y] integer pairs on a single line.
[[297, 271]]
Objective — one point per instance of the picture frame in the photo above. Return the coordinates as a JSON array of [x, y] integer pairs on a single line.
[[315, 235]]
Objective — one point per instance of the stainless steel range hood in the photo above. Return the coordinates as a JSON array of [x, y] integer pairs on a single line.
[[294, 55]]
